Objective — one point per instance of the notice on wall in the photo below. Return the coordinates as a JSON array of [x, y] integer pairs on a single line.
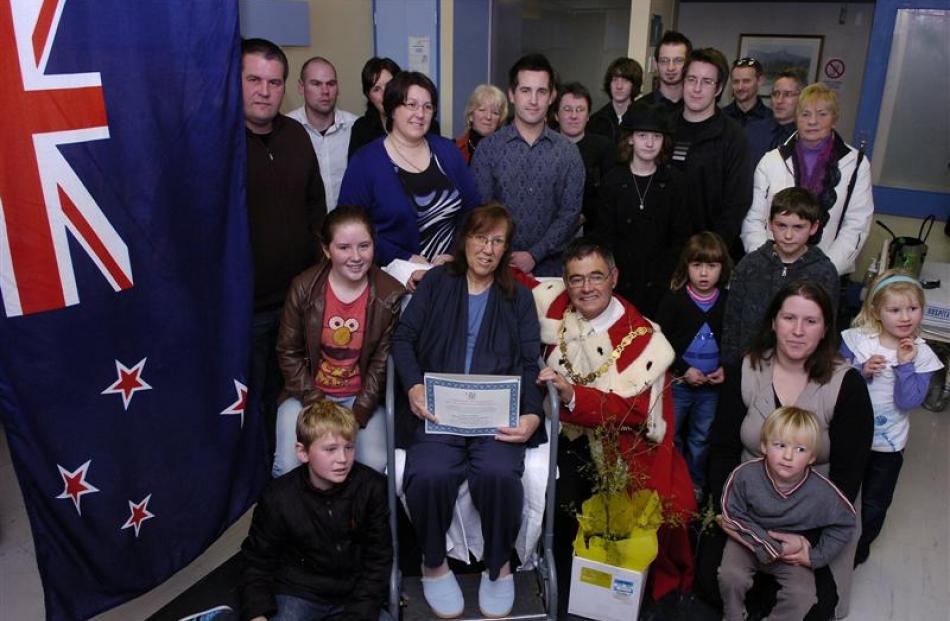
[[419, 54]]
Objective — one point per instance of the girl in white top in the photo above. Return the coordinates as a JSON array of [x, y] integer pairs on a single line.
[[897, 364]]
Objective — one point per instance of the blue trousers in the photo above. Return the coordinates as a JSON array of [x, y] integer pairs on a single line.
[[290, 608], [436, 465], [695, 411], [877, 492]]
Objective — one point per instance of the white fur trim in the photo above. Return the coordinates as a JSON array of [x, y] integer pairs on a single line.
[[544, 295]]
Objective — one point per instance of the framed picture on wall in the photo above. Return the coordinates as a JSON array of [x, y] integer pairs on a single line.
[[779, 52]]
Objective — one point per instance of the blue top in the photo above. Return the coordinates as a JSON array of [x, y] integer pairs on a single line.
[[476, 310], [372, 182]]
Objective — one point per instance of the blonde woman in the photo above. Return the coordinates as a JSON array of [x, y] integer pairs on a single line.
[[486, 111], [819, 160]]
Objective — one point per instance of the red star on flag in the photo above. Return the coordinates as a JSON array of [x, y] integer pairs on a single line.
[[239, 404], [129, 382], [138, 513], [75, 484]]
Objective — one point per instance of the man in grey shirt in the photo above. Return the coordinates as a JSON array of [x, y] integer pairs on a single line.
[[533, 171]]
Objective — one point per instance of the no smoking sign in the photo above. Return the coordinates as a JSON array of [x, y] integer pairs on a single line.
[[834, 69]]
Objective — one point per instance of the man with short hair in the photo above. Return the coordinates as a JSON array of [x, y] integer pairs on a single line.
[[533, 171], [285, 207], [746, 106], [711, 150], [670, 56], [610, 367], [328, 126], [598, 152], [622, 83], [773, 132]]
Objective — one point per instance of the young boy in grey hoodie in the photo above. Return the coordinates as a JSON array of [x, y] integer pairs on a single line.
[[782, 518], [794, 219]]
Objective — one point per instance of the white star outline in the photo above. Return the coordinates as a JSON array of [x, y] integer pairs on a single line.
[[116, 387], [89, 488], [239, 405]]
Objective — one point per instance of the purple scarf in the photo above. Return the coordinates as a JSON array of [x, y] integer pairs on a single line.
[[812, 162]]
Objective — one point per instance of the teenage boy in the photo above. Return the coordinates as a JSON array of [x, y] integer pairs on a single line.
[[532, 170], [747, 106], [766, 503], [670, 57], [319, 544], [711, 150], [793, 218], [622, 83]]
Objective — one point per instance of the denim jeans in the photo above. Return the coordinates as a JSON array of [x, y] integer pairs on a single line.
[[877, 492], [695, 410], [290, 608], [370, 441]]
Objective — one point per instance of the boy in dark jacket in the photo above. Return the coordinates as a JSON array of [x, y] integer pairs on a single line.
[[319, 544], [794, 217]]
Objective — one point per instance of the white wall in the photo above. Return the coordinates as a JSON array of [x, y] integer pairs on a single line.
[[719, 24]]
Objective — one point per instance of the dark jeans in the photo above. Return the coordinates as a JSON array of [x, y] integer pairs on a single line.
[[877, 491], [266, 380], [290, 608]]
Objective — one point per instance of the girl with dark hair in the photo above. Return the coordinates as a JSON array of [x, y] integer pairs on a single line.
[[469, 317], [793, 361], [691, 317], [415, 186], [334, 337], [644, 217]]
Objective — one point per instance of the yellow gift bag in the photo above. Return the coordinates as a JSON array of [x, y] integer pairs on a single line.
[[620, 529]]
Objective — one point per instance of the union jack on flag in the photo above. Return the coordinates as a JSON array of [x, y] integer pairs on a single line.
[[125, 275]]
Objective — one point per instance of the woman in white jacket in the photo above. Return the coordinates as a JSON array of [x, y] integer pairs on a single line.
[[817, 159]]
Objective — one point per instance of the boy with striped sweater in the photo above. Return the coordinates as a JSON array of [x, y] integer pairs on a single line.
[[782, 518]]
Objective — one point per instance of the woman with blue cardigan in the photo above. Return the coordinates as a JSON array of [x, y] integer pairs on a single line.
[[469, 316], [415, 187]]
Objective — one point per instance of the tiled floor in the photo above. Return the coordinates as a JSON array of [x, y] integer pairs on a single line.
[[906, 578]]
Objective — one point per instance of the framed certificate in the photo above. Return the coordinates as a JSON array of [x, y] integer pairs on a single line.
[[472, 405]]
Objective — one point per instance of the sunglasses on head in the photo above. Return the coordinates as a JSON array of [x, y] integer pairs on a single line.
[[747, 62]]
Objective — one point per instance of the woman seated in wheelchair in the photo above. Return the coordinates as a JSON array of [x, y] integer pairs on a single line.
[[334, 337], [469, 316]]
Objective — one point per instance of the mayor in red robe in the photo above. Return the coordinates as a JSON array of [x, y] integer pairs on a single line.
[[610, 365]]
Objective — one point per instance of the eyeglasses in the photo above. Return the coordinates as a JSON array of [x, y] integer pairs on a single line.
[[679, 60], [785, 94], [692, 80], [748, 62], [484, 240], [415, 106], [570, 109], [594, 278]]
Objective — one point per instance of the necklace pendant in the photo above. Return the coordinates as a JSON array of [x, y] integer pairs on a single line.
[[641, 205]]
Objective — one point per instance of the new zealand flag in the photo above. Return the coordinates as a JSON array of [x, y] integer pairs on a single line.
[[125, 277]]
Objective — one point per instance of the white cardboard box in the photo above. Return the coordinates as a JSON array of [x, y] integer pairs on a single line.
[[604, 592]]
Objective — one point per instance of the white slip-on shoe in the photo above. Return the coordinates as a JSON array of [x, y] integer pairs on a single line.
[[444, 596], [496, 597]]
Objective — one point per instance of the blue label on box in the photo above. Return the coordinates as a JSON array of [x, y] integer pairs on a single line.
[[624, 588]]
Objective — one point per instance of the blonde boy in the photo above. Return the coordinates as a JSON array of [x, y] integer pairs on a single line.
[[769, 505], [319, 543]]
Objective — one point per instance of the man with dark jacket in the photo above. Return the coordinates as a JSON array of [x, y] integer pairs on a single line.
[[711, 150], [285, 206]]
